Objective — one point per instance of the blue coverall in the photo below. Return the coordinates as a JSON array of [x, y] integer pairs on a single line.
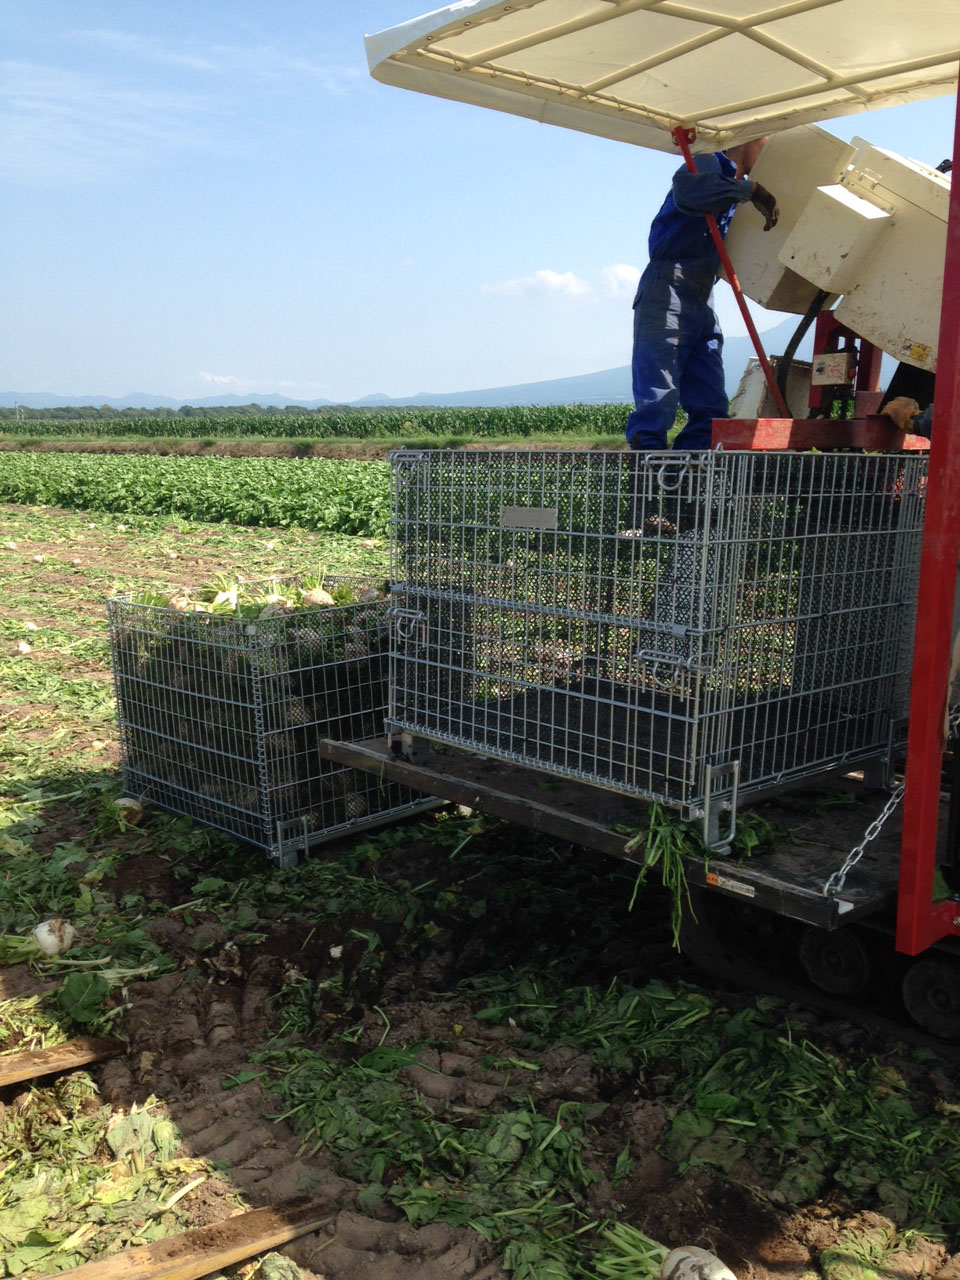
[[677, 343]]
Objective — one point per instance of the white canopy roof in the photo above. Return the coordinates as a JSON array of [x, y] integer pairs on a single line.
[[634, 69]]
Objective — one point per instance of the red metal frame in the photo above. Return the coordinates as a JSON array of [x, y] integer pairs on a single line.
[[868, 369], [683, 137], [920, 920], [867, 383], [876, 433]]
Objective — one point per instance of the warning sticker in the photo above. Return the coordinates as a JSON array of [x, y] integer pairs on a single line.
[[732, 886], [917, 351]]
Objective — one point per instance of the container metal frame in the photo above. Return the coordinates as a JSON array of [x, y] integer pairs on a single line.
[[219, 716], [684, 628]]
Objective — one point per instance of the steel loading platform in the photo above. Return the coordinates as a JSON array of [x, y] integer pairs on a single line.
[[822, 823]]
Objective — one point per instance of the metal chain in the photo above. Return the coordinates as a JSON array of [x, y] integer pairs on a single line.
[[836, 881]]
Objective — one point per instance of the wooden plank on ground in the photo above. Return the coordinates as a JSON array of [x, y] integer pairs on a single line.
[[196, 1253], [62, 1057]]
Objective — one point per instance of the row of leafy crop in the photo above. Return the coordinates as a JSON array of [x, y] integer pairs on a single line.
[[317, 493], [511, 420]]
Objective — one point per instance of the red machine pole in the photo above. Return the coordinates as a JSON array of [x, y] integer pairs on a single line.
[[683, 137], [921, 921]]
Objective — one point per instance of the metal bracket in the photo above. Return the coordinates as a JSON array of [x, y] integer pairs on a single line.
[[678, 670], [405, 462], [285, 853], [718, 841], [878, 774], [409, 746], [664, 473], [407, 624]]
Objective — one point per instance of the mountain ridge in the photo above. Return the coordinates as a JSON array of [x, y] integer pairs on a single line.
[[606, 386]]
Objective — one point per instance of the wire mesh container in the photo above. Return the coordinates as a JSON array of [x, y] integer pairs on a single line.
[[680, 627], [220, 716]]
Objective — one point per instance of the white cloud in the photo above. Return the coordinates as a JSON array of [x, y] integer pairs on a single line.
[[131, 47], [223, 381], [620, 280], [264, 63], [230, 383], [63, 126], [542, 284]]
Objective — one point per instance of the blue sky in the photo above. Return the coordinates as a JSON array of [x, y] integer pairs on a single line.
[[215, 198]]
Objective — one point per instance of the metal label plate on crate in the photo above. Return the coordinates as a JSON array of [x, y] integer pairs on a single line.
[[528, 517]]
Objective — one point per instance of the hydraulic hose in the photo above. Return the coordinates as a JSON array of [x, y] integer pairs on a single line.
[[806, 320]]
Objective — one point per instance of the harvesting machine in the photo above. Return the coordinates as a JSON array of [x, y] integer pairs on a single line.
[[576, 632]]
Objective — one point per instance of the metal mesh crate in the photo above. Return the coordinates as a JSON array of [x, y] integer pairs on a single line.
[[673, 626], [220, 716]]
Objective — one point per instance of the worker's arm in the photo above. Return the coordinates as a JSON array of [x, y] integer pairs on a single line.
[[708, 190]]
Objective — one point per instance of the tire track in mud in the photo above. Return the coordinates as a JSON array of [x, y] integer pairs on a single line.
[[186, 1038], [187, 1035]]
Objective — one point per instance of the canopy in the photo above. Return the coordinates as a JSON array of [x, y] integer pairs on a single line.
[[635, 69]]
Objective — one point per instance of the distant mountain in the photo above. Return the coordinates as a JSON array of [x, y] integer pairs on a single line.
[[140, 400], [609, 386], [229, 402], [51, 400]]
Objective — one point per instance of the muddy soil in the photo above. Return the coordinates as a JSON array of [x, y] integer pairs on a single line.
[[192, 1032]]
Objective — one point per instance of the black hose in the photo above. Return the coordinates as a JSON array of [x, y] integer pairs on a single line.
[[806, 320]]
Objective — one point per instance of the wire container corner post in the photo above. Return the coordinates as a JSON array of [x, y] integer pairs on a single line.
[[680, 627], [220, 715]]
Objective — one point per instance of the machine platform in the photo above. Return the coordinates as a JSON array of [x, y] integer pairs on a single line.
[[819, 827], [874, 433]]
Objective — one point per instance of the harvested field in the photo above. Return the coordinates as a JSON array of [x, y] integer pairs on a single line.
[[457, 1037]]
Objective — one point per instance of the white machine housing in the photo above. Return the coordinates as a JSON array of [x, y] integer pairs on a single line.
[[865, 225]]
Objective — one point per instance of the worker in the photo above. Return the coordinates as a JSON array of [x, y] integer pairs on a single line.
[[677, 343]]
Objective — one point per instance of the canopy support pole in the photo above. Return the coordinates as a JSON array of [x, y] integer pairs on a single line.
[[683, 137], [920, 920]]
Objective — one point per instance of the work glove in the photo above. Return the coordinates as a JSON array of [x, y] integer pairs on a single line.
[[767, 204], [901, 411]]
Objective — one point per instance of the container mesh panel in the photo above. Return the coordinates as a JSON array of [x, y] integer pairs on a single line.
[[220, 717], [629, 619]]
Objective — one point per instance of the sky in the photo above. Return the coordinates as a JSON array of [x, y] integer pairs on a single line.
[[215, 198]]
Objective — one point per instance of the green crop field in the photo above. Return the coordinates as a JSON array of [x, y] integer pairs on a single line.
[[516, 421], [337, 496]]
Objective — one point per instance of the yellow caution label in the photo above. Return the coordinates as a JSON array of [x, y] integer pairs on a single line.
[[918, 351]]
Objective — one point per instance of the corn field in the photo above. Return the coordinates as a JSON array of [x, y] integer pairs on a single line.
[[514, 420]]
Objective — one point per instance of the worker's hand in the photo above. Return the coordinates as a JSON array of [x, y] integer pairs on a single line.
[[901, 411], [767, 204]]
